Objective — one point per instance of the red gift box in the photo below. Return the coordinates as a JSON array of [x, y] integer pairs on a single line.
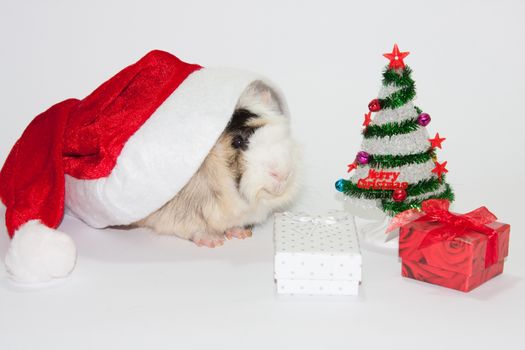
[[451, 250]]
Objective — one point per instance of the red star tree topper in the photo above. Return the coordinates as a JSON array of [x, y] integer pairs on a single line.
[[396, 58], [440, 169], [436, 141]]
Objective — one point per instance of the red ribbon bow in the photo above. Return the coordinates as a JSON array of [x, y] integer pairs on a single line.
[[453, 225]]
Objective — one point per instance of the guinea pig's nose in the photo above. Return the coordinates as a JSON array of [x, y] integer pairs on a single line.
[[280, 176]]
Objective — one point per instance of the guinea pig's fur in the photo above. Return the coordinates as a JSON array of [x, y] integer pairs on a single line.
[[249, 173]]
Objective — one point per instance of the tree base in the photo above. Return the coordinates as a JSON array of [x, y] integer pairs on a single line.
[[373, 237], [371, 223]]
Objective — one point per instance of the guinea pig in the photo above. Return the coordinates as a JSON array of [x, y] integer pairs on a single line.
[[250, 172]]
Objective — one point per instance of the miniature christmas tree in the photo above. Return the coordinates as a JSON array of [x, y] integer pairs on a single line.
[[397, 165]]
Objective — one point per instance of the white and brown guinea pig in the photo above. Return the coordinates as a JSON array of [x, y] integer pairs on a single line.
[[250, 173]]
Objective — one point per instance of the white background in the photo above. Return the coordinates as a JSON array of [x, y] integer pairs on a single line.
[[133, 290]]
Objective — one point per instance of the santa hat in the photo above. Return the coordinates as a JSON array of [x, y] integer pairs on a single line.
[[114, 157]]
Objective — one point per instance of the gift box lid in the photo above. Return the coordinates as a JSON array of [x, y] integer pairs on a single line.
[[464, 254], [316, 248]]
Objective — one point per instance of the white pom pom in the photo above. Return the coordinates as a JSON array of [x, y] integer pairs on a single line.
[[39, 254]]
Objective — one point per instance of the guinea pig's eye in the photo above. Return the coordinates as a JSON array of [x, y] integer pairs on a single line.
[[238, 142]]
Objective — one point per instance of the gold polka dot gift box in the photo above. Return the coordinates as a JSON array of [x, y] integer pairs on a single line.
[[316, 255]]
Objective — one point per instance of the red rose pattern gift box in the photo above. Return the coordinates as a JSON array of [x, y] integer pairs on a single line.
[[451, 250]]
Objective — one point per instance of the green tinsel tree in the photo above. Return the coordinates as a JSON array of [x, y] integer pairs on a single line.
[[397, 167]]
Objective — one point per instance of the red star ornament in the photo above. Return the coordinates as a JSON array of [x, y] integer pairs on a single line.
[[396, 58], [352, 167], [440, 169], [368, 119], [436, 141]]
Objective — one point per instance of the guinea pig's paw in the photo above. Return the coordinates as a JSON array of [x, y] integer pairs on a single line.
[[238, 232], [39, 254], [207, 240]]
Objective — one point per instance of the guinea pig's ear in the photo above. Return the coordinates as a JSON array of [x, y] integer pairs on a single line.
[[258, 93], [266, 97]]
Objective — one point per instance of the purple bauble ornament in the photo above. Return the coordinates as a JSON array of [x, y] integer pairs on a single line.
[[423, 119], [362, 157]]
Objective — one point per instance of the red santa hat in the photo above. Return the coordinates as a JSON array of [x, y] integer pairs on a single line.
[[113, 157]]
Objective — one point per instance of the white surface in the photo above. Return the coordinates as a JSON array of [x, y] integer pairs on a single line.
[[133, 290], [312, 253]]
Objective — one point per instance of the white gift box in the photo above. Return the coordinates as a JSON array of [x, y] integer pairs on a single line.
[[316, 255]]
